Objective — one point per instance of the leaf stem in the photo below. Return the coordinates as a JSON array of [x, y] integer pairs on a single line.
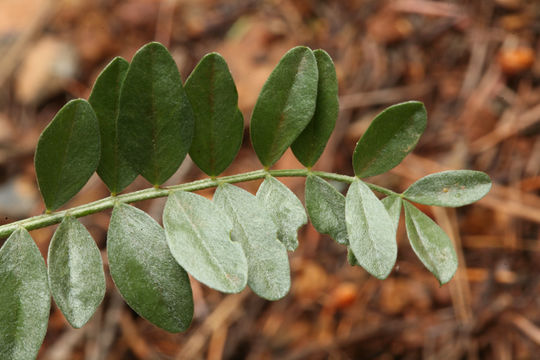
[[47, 219]]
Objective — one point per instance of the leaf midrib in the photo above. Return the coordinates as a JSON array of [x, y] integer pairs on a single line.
[[369, 230], [202, 241], [211, 101], [273, 152], [268, 283], [116, 147], [153, 119], [139, 222], [426, 254], [64, 155], [378, 150]]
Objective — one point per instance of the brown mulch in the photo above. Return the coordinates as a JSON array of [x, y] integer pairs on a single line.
[[476, 66]]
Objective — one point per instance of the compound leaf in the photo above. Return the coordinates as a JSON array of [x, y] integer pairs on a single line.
[[430, 243], [371, 230], [310, 144], [391, 136], [145, 272], [326, 208], [285, 105], [67, 153], [198, 234], [268, 264], [25, 300], [113, 168], [392, 204], [155, 124], [285, 209], [76, 276], [450, 188], [219, 125]]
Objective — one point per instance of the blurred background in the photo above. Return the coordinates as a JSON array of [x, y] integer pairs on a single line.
[[475, 65]]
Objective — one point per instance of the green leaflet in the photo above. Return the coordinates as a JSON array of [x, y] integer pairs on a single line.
[[198, 234], [449, 188], [155, 124], [371, 230], [326, 208], [351, 258], [285, 105], [144, 271], [113, 168], [268, 264], [219, 125], [391, 136], [25, 300], [67, 153], [430, 243], [310, 144], [286, 210], [392, 204], [76, 276]]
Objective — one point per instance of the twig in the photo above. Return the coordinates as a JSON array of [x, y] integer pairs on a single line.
[[10, 59], [62, 349], [45, 220], [479, 47], [164, 21], [506, 129], [428, 8], [218, 318], [110, 325], [134, 340], [361, 334], [459, 288], [526, 327], [501, 198], [384, 96]]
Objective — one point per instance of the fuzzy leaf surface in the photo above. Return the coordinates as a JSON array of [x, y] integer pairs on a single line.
[[450, 188], [155, 124], [25, 300], [391, 136], [145, 272], [113, 168], [351, 259], [268, 263], [310, 144], [285, 209], [431, 244], [219, 125], [326, 209], [76, 276], [392, 204], [67, 153], [371, 230], [198, 234], [285, 105]]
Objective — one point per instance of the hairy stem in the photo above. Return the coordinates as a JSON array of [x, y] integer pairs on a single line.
[[40, 221]]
